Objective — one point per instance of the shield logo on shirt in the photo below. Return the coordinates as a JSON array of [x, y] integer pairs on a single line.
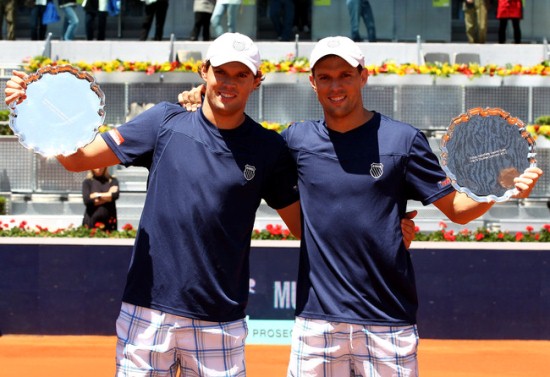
[[249, 172], [376, 169]]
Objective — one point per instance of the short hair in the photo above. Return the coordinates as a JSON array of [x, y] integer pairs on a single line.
[[106, 173]]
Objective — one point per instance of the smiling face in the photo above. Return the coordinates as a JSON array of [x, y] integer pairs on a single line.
[[338, 86], [228, 87]]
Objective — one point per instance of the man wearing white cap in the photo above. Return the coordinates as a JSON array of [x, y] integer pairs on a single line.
[[356, 295], [187, 286], [356, 298]]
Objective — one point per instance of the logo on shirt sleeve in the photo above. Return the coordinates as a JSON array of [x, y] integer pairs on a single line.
[[116, 136], [444, 183]]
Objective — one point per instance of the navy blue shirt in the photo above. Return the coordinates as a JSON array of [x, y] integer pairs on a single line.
[[191, 255], [354, 188]]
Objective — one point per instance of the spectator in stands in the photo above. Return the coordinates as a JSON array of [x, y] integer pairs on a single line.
[[7, 12], [154, 10], [202, 10], [229, 8], [475, 20], [96, 12], [70, 19], [509, 10], [38, 29], [281, 13], [358, 9], [100, 190], [302, 16]]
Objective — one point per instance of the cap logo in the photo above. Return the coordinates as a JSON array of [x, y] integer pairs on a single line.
[[239, 46], [333, 43]]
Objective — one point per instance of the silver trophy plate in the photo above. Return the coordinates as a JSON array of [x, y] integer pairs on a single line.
[[62, 112], [483, 151]]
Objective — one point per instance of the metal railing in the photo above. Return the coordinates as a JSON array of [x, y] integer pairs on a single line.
[[287, 98]]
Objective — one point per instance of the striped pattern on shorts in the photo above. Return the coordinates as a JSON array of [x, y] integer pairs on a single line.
[[154, 343], [332, 349]]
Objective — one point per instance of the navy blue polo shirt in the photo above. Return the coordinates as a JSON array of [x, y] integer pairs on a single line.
[[191, 254], [354, 188]]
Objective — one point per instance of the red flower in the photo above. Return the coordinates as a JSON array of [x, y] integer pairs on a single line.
[[500, 235], [479, 236], [449, 236], [442, 225], [174, 65], [519, 236], [99, 225], [529, 228], [277, 230], [127, 227]]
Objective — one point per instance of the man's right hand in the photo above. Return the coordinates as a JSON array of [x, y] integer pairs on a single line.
[[16, 88], [192, 99]]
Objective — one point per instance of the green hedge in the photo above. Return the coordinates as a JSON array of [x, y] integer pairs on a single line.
[[3, 205]]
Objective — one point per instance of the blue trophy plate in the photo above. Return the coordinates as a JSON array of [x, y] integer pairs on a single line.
[[62, 112]]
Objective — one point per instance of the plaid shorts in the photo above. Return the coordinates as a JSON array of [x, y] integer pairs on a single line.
[[154, 343], [331, 349]]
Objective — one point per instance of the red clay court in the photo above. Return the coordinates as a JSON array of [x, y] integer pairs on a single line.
[[93, 356]]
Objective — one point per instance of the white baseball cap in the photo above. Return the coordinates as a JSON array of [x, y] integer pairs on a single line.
[[234, 47], [339, 46]]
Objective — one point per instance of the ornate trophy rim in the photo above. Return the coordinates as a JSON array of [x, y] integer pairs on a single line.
[[81, 133]]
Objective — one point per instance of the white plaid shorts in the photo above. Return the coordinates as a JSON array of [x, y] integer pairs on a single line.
[[153, 343], [331, 349]]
